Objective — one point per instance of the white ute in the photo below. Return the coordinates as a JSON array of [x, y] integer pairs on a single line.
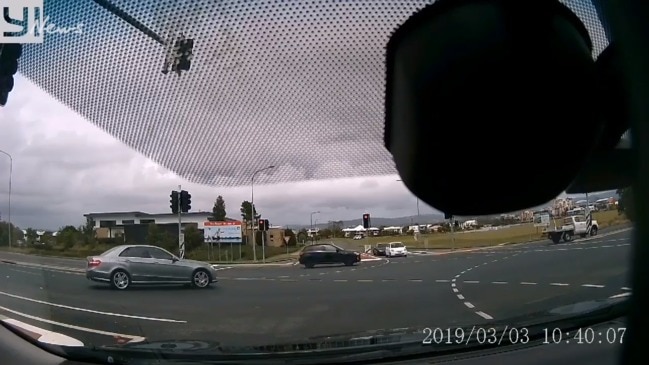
[[574, 225]]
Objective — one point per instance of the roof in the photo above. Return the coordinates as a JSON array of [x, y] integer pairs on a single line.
[[143, 214], [305, 77]]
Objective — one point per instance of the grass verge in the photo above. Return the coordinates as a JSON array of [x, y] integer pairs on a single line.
[[475, 239]]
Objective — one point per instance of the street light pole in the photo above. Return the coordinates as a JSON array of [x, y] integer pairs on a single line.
[[11, 164], [312, 233], [252, 210]]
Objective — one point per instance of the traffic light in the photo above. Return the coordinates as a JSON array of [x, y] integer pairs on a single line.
[[185, 201], [184, 54], [262, 225], [174, 202], [366, 221], [266, 225], [9, 55]]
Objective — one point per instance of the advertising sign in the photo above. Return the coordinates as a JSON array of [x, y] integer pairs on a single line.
[[541, 219], [222, 232]]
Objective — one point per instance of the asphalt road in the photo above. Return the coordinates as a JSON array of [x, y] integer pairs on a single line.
[[264, 305]]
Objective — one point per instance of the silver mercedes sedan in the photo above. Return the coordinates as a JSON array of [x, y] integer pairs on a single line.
[[123, 266]]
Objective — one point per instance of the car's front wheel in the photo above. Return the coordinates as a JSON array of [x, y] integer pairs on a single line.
[[200, 279], [120, 280]]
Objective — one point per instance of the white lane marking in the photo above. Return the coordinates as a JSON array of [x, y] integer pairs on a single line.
[[455, 290], [364, 281], [625, 288], [471, 282], [527, 283], [592, 286], [132, 338], [499, 282], [45, 336], [442, 281], [484, 315], [415, 280], [90, 310], [460, 297], [559, 284], [453, 285], [620, 295], [340, 280], [469, 305]]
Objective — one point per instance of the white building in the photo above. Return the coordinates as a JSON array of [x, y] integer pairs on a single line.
[[111, 224], [352, 231]]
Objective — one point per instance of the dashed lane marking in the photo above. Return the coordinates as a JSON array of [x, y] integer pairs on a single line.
[[89, 310], [454, 282], [620, 295], [512, 254], [484, 315]]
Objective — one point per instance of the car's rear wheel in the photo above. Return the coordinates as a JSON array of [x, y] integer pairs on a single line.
[[120, 280], [200, 279]]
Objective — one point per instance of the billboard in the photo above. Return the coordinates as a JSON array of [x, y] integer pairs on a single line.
[[222, 232]]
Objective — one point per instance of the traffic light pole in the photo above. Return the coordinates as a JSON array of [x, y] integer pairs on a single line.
[[181, 243], [263, 245]]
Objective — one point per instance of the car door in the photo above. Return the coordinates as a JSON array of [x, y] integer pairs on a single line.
[[137, 262], [329, 254], [166, 268]]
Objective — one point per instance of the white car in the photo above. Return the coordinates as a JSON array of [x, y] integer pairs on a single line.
[[393, 249], [358, 237]]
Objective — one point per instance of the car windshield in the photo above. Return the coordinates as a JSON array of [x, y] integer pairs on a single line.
[[240, 136]]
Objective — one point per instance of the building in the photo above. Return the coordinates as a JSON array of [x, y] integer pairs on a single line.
[[276, 237], [352, 231], [117, 224]]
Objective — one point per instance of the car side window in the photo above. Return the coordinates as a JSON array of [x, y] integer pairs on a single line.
[[330, 248], [134, 252], [157, 253]]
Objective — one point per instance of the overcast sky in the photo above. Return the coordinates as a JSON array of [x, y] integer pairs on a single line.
[[64, 166]]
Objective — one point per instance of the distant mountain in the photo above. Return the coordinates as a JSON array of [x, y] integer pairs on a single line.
[[437, 218], [378, 222]]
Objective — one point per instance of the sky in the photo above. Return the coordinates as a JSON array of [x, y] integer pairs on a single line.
[[65, 166]]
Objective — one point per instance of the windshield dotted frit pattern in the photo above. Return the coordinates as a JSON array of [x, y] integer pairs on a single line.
[[294, 84]]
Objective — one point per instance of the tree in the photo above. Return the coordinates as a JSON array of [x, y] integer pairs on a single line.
[[218, 211], [31, 235], [16, 233], [159, 237], [245, 210], [68, 236], [193, 238], [625, 204], [325, 233], [292, 241], [302, 235]]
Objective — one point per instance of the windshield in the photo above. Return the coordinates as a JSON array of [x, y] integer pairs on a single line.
[[237, 136]]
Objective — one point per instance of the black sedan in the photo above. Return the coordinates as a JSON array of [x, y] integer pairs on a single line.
[[327, 254]]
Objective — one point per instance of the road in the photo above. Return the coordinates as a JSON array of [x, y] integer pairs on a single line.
[[262, 305]]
